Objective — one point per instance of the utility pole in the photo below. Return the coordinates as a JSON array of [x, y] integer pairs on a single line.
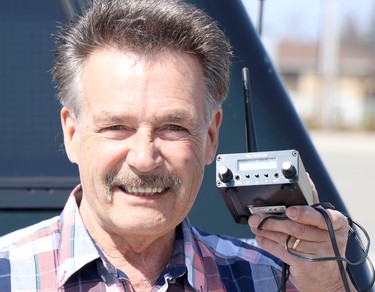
[[328, 61]]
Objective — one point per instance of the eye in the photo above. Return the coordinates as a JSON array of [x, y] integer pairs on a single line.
[[176, 128], [172, 132], [115, 128], [117, 132]]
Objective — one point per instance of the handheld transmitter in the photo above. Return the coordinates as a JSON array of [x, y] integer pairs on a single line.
[[261, 182]]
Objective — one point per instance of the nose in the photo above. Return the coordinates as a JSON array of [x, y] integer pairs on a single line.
[[143, 155]]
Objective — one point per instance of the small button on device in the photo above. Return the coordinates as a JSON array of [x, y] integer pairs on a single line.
[[288, 169], [225, 174]]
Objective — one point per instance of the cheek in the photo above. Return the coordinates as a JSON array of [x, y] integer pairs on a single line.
[[188, 158], [111, 157], [198, 151], [187, 162], [98, 158]]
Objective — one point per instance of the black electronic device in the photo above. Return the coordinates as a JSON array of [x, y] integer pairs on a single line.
[[261, 182]]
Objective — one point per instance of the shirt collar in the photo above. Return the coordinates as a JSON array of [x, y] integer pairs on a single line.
[[76, 247]]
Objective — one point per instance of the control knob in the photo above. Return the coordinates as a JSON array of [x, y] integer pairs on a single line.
[[288, 169], [225, 174]]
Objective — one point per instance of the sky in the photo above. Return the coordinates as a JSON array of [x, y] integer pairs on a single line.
[[302, 17]]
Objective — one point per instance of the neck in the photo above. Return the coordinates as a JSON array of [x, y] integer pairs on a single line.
[[142, 257], [142, 260]]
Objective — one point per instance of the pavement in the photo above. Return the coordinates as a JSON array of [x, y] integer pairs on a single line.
[[350, 159]]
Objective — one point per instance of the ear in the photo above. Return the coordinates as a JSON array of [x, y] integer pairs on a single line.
[[69, 127], [213, 136]]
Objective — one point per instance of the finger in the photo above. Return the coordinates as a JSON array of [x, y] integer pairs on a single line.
[[309, 246], [289, 227], [278, 250], [303, 246], [310, 216], [314, 190]]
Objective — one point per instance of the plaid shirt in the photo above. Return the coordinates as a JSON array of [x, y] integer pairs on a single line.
[[59, 255]]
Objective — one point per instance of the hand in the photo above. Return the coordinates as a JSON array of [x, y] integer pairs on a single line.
[[308, 225]]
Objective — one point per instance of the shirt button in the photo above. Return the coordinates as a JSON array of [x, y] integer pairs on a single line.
[[62, 277], [103, 278]]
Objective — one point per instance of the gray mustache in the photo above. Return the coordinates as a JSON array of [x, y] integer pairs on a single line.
[[130, 179]]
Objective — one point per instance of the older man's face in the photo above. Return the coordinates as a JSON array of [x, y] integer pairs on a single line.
[[142, 140]]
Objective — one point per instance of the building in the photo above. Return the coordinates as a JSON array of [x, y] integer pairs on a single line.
[[343, 99]]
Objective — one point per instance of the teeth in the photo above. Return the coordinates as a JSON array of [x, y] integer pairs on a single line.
[[144, 191]]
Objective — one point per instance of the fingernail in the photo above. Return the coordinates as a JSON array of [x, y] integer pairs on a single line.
[[254, 220], [292, 212]]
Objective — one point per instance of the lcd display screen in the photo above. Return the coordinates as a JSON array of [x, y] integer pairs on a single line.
[[253, 164]]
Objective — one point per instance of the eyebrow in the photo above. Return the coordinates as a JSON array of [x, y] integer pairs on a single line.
[[109, 117], [176, 116], [194, 124], [172, 116]]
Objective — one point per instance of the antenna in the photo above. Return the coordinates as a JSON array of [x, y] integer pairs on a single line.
[[250, 128], [74, 7], [260, 16]]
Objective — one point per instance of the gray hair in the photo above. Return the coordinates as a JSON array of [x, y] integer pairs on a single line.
[[144, 27]]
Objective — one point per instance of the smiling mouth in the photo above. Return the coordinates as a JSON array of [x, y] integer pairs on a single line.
[[143, 185], [144, 191]]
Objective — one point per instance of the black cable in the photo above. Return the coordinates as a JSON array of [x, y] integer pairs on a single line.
[[284, 276], [365, 258], [365, 250], [285, 268], [320, 207], [335, 247]]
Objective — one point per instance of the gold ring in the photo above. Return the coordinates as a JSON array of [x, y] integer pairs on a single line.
[[296, 243]]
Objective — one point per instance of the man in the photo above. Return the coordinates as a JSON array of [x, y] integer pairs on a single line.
[[141, 84]]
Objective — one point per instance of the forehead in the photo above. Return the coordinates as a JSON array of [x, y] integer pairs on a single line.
[[109, 65], [112, 78]]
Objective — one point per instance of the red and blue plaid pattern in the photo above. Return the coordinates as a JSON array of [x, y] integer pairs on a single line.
[[59, 255]]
